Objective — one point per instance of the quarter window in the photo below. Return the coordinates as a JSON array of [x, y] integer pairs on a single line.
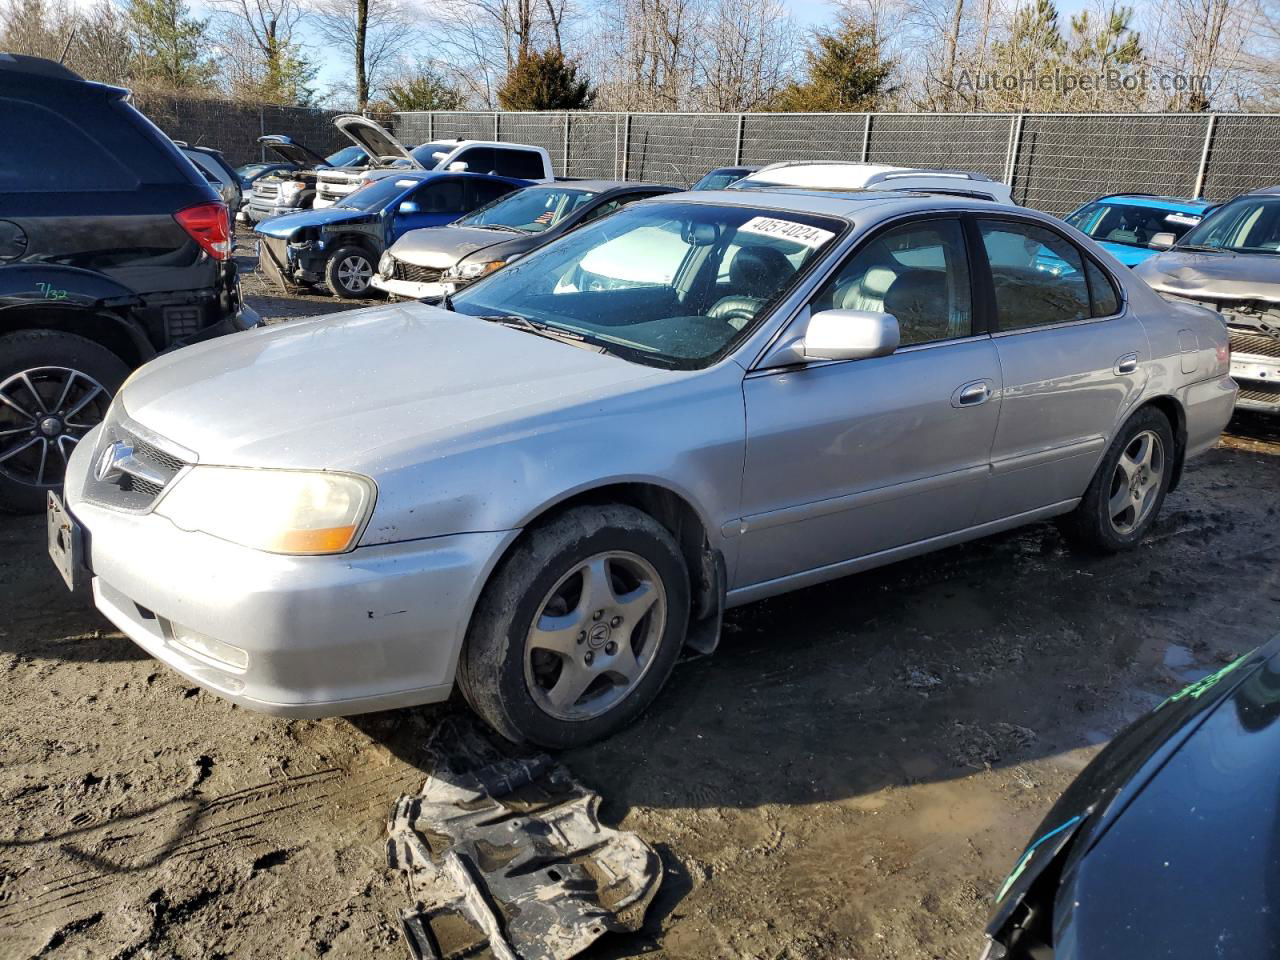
[[1105, 299], [918, 272], [1039, 276]]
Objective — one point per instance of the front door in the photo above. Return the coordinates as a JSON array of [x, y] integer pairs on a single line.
[[435, 203], [1073, 362], [850, 458]]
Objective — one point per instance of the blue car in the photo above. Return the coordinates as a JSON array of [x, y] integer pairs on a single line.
[[339, 245], [1127, 223]]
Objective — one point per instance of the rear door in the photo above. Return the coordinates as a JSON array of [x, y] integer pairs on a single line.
[[849, 458], [1072, 357]]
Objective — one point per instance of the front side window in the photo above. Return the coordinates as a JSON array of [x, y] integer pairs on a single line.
[[440, 196], [647, 282], [531, 210], [1245, 225], [1130, 224], [1038, 275], [918, 272]]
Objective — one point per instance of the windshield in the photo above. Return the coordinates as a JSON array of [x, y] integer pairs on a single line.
[[719, 179], [1131, 224], [425, 153], [672, 284], [530, 211], [253, 169], [376, 195], [1245, 225], [347, 157]]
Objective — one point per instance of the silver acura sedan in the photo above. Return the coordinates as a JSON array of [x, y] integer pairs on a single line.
[[545, 487]]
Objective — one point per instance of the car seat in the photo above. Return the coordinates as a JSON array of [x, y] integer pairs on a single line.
[[757, 273]]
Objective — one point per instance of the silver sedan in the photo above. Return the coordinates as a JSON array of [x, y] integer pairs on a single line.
[[546, 487]]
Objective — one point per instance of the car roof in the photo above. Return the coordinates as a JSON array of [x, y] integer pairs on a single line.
[[845, 205], [1264, 191], [1181, 204], [604, 186]]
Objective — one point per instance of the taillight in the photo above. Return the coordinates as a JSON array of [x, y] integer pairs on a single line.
[[209, 225]]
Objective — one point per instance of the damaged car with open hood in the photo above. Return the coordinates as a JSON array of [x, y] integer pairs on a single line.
[[1231, 264], [547, 486], [292, 186], [340, 245]]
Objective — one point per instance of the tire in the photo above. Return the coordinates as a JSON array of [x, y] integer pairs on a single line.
[[33, 446], [1127, 491], [519, 670], [348, 271]]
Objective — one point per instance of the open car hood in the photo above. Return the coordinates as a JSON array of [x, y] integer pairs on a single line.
[[374, 139], [292, 152]]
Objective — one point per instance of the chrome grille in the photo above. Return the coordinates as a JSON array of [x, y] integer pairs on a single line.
[[1259, 391], [266, 190], [154, 464], [414, 273], [1256, 344]]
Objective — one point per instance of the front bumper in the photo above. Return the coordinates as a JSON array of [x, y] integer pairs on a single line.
[[1259, 380], [378, 628], [256, 211], [414, 291]]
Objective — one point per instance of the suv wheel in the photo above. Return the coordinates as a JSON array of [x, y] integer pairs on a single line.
[[578, 629], [348, 273], [54, 388], [1128, 490]]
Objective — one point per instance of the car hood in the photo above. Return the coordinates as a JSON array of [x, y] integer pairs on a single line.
[[1126, 254], [286, 226], [292, 152], [1214, 276], [441, 247], [374, 139], [365, 389]]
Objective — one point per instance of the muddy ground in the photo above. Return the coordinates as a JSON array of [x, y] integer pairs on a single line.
[[849, 776]]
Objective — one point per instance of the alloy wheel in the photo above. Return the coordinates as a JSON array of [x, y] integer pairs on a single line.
[[1135, 485], [595, 635], [354, 273], [44, 413]]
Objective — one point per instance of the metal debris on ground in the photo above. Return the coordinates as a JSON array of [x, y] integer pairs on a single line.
[[510, 861]]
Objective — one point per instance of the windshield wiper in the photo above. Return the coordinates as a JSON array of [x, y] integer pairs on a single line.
[[517, 322]]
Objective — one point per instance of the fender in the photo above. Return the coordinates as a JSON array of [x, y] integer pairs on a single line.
[[44, 284]]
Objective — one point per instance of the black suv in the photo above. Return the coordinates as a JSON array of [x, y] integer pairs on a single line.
[[113, 247]]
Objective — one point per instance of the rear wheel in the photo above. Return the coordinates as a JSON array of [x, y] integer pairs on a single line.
[[578, 629], [1128, 490], [54, 388], [348, 272]]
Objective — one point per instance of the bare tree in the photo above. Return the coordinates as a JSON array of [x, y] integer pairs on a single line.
[[373, 34], [649, 59], [750, 52], [1208, 40], [259, 53]]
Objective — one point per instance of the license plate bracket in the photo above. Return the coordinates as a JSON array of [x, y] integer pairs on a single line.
[[66, 542]]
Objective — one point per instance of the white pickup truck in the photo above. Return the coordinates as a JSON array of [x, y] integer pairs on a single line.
[[517, 160]]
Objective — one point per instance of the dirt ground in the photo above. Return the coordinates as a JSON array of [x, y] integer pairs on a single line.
[[850, 776]]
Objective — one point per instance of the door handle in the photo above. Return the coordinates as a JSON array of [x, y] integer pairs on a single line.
[[1126, 365], [971, 394]]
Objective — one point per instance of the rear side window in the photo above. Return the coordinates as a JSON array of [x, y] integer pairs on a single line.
[[1039, 276], [45, 151], [521, 164]]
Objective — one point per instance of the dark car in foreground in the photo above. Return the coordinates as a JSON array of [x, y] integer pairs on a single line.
[[339, 245], [113, 248], [1166, 845], [440, 260], [1231, 264]]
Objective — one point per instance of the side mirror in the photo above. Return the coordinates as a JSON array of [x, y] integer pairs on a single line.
[[458, 166], [1162, 241], [408, 206], [849, 335]]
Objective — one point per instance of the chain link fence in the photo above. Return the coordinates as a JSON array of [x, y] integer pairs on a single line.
[[1054, 162]]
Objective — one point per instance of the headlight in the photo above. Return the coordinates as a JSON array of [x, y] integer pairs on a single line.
[[470, 271], [385, 264], [290, 187], [279, 511]]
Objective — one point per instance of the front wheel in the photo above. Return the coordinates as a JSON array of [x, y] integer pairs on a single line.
[[578, 629], [1128, 490], [54, 388], [348, 272]]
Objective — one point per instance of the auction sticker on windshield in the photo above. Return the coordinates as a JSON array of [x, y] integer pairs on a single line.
[[800, 233]]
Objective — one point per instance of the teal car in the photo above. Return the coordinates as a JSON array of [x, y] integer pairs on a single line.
[[1127, 223]]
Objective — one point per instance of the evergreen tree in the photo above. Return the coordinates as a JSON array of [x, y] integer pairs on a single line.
[[545, 81], [423, 90], [170, 44], [845, 71]]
